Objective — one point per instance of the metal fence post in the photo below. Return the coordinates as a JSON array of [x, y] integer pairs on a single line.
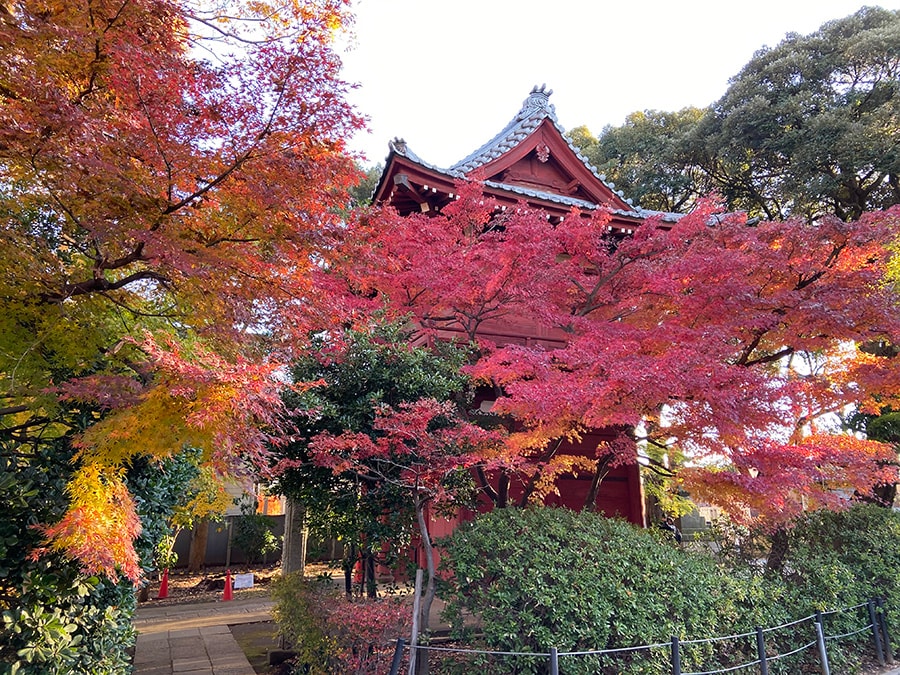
[[823, 654], [554, 661], [761, 651], [875, 632], [398, 656], [676, 656], [882, 616]]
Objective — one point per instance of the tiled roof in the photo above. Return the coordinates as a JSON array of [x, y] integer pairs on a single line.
[[581, 203], [399, 146], [535, 109]]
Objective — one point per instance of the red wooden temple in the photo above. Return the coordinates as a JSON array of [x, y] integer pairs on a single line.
[[529, 160]]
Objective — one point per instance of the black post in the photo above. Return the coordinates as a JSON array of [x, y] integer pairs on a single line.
[[761, 651], [875, 632], [554, 661], [882, 616], [676, 656], [398, 656], [823, 653]]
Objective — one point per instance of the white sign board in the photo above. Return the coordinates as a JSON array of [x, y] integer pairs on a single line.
[[243, 581]]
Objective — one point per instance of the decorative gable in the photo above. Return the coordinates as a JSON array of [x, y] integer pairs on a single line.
[[532, 152]]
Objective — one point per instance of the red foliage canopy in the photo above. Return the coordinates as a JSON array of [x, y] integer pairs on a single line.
[[729, 341]]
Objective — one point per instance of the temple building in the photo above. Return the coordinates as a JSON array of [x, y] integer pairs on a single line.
[[530, 160]]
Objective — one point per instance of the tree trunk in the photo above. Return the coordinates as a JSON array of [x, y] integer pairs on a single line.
[[533, 481], [293, 554], [778, 553], [428, 595], [349, 563], [485, 485], [502, 490], [197, 555], [369, 574], [590, 501]]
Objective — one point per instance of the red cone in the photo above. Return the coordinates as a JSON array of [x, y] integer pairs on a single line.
[[164, 585], [227, 594]]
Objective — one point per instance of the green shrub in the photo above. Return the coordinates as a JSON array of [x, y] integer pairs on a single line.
[[54, 620], [542, 578], [841, 559], [253, 533], [300, 611]]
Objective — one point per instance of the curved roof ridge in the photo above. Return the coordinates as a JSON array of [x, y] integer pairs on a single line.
[[535, 109], [399, 146]]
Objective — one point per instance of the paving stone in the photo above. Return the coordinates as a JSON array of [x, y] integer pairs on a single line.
[[189, 665], [213, 630], [194, 639], [244, 670], [152, 659], [153, 669], [184, 633]]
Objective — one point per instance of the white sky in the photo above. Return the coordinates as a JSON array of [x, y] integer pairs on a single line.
[[448, 75]]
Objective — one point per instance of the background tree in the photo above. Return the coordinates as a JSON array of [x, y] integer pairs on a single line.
[[650, 158], [153, 254], [362, 192], [198, 501], [812, 126], [807, 128]]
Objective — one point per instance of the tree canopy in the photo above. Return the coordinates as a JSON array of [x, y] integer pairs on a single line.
[[726, 341], [808, 127], [155, 261], [358, 372]]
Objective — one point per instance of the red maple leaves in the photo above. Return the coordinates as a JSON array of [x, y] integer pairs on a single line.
[[727, 340]]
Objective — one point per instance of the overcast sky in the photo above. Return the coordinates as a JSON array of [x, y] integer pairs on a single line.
[[447, 75]]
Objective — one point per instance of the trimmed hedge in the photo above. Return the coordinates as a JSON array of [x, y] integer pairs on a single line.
[[545, 577]]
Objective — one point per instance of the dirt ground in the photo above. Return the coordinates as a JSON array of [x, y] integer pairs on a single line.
[[208, 586]]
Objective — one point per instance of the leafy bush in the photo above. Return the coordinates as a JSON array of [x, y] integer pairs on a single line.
[[841, 559], [544, 578], [253, 533], [335, 636], [55, 619]]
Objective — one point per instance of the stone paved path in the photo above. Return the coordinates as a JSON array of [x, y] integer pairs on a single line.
[[194, 639]]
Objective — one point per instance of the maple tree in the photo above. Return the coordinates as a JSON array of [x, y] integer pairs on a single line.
[[168, 170], [418, 447], [733, 344]]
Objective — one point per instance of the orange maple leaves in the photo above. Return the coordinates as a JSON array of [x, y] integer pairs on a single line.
[[170, 204]]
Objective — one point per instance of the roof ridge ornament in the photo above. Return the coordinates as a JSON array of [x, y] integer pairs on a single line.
[[538, 100], [398, 145]]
